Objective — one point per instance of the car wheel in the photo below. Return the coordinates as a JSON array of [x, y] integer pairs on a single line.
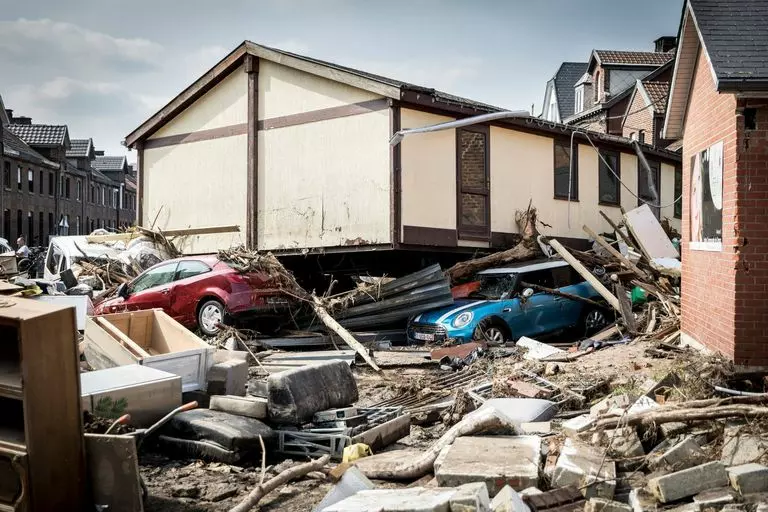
[[210, 315], [594, 320], [492, 331]]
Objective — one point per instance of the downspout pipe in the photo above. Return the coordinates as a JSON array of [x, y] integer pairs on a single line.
[[459, 123]]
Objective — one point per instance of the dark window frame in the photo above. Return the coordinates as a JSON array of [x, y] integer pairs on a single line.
[[41, 185], [617, 169], [51, 184], [31, 180], [466, 232], [575, 182], [7, 174]]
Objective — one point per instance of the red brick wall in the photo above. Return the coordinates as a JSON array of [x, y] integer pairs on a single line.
[[709, 278], [640, 118], [751, 231]]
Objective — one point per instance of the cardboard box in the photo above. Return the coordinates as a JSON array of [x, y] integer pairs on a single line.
[[149, 338], [149, 394]]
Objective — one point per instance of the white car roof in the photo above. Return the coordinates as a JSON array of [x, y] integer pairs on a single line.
[[76, 245], [532, 267]]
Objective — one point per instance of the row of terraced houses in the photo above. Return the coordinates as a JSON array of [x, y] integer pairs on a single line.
[[55, 185]]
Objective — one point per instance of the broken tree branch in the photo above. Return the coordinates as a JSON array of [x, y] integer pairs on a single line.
[[333, 325], [286, 476], [527, 249], [682, 414], [560, 293], [613, 252]]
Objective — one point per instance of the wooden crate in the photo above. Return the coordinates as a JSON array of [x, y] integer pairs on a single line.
[[42, 457], [150, 338]]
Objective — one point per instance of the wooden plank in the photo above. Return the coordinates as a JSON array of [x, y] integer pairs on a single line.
[[650, 236], [613, 252], [586, 274], [618, 231], [114, 237], [122, 338], [202, 231]]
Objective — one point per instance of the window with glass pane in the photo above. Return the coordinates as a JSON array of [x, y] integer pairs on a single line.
[[156, 277], [190, 269], [608, 183], [678, 212], [473, 181], [563, 171]]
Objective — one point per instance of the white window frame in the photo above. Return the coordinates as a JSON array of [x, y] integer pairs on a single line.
[[578, 99], [710, 245]]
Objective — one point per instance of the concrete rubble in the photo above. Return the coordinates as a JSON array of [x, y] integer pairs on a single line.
[[622, 420]]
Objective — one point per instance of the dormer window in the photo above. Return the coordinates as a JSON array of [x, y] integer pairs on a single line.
[[579, 99], [553, 114]]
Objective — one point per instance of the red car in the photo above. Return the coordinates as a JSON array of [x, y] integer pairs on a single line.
[[198, 291]]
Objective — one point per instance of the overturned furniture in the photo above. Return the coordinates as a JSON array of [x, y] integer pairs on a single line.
[[42, 464], [149, 338]]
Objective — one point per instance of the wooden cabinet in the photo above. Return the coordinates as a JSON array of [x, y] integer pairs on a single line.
[[42, 463]]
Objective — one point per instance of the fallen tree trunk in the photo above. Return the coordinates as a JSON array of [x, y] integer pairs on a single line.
[[473, 423], [678, 414], [286, 476], [527, 249]]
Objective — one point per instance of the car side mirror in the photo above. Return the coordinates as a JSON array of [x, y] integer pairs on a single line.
[[527, 293], [122, 290]]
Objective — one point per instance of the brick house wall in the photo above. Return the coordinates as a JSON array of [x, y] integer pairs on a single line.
[[640, 118], [709, 279], [13, 200], [751, 235]]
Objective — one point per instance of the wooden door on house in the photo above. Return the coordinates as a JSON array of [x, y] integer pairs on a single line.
[[473, 183]]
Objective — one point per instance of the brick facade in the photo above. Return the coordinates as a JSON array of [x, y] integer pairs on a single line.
[[709, 279], [641, 117]]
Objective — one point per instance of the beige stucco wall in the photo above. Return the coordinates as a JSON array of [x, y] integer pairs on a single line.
[[201, 184], [224, 105], [521, 168], [668, 195], [284, 91], [325, 184], [428, 163]]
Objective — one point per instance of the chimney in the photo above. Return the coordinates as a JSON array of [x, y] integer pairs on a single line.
[[21, 120], [9, 113], [665, 44]]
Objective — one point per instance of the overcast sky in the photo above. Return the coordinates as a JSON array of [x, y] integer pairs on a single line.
[[102, 66]]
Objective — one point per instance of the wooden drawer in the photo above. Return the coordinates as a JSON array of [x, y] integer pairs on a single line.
[[14, 491]]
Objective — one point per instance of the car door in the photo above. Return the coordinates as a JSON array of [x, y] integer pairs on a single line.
[[188, 284], [152, 289], [569, 281], [540, 312]]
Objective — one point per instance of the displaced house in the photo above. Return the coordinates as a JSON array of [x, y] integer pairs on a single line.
[[604, 92], [295, 151], [717, 105], [560, 93]]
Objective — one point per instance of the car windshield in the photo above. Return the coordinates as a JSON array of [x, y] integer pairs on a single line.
[[495, 286]]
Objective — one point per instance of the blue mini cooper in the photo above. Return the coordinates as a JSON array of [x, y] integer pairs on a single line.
[[506, 307]]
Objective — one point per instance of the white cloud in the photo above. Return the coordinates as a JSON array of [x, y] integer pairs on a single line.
[[66, 45], [204, 58]]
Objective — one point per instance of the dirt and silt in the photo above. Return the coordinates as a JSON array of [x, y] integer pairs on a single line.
[[194, 485]]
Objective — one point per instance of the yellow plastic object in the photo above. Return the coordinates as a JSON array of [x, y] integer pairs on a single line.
[[356, 451]]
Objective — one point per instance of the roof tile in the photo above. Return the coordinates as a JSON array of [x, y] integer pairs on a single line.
[[658, 92], [40, 134], [617, 57]]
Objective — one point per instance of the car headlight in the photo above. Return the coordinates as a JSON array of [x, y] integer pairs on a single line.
[[462, 319]]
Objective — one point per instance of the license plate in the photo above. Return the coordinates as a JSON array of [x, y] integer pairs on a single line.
[[423, 336]]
